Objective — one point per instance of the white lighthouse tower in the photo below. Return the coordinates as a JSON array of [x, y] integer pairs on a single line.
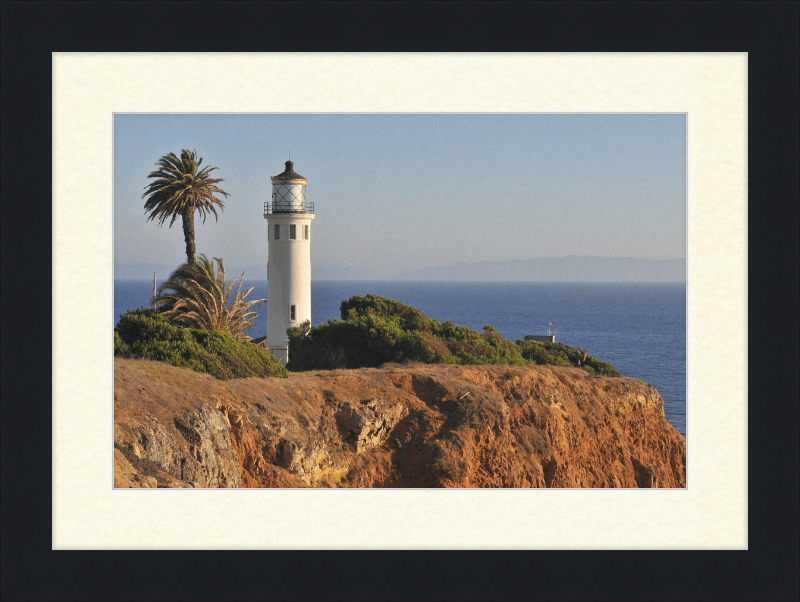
[[289, 265]]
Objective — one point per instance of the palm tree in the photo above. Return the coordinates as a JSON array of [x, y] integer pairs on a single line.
[[198, 296], [181, 188]]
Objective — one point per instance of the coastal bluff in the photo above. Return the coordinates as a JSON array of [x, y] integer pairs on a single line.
[[416, 425]]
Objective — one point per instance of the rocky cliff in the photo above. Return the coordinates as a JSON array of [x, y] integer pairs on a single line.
[[396, 426]]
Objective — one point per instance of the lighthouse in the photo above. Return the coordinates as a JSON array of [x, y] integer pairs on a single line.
[[289, 218]]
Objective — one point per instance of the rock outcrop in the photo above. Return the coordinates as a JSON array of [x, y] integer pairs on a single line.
[[396, 426]]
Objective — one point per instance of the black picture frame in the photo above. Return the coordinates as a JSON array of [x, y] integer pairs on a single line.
[[767, 31]]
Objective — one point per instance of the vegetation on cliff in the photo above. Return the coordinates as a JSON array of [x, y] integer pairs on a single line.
[[559, 354], [145, 333], [199, 296], [375, 329]]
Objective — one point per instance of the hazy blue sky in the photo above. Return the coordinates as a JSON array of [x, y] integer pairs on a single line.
[[398, 192]]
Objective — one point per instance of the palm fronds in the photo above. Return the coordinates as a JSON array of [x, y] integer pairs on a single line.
[[197, 295], [180, 188], [181, 184]]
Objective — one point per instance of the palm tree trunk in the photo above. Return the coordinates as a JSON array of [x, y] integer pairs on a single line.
[[188, 234]]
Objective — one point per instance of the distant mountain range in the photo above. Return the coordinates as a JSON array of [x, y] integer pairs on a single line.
[[573, 268]]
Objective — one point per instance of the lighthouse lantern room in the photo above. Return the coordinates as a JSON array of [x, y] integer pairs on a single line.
[[289, 218]]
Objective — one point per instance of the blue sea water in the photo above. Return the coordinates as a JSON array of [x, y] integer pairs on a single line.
[[638, 327]]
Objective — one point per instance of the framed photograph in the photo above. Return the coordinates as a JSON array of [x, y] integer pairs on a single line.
[[711, 513]]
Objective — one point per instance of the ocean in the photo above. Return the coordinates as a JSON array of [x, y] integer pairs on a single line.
[[638, 327]]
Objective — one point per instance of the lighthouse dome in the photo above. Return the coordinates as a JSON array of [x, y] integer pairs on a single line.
[[289, 192], [289, 173]]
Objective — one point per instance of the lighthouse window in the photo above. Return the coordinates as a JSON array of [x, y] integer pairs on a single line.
[[292, 231], [277, 231], [305, 232], [291, 313]]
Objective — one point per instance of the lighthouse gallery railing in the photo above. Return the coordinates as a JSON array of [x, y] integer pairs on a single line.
[[270, 207]]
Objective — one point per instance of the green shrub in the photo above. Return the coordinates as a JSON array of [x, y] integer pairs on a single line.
[[541, 353], [374, 330], [559, 354], [602, 368], [443, 469], [144, 333], [120, 348], [409, 318]]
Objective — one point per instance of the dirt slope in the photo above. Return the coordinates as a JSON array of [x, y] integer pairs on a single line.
[[396, 426]]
